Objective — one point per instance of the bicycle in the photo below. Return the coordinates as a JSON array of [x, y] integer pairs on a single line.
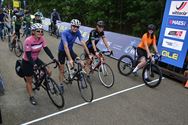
[[41, 78], [16, 45], [2, 86], [80, 76], [126, 64], [53, 30], [105, 72], [27, 31]]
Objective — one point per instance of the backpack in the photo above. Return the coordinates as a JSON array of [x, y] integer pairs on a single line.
[[18, 68]]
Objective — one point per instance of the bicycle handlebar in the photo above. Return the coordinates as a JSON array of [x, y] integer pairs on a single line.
[[45, 65], [106, 53]]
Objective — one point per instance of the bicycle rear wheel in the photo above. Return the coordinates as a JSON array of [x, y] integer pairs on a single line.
[[152, 75], [54, 93], [85, 87], [125, 65], [18, 50], [106, 75]]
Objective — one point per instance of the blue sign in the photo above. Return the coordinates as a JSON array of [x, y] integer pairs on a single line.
[[173, 38]]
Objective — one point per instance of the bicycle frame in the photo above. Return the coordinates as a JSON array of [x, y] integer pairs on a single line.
[[76, 74], [41, 78]]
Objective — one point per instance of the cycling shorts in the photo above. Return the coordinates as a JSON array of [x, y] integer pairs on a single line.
[[141, 53], [91, 50], [62, 55], [27, 67]]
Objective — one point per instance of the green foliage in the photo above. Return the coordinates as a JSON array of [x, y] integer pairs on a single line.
[[124, 16]]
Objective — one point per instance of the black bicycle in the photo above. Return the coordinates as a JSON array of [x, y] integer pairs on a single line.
[[80, 76], [42, 78], [151, 73], [16, 45]]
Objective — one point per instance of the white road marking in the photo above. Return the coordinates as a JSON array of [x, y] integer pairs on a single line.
[[83, 104]]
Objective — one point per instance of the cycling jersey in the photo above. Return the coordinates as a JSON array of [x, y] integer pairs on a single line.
[[94, 35], [34, 45], [68, 37], [148, 40], [55, 16], [18, 24], [27, 20]]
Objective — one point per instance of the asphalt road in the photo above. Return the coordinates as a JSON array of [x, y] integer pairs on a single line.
[[135, 104]]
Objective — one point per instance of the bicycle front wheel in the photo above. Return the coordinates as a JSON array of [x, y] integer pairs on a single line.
[[106, 75], [10, 45], [85, 88], [54, 93], [152, 75], [125, 65], [18, 50]]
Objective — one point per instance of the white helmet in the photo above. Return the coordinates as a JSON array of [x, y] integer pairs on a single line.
[[75, 22], [36, 26]]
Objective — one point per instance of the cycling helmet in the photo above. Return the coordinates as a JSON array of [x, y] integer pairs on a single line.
[[100, 23], [37, 14], [54, 9], [18, 14], [151, 27], [75, 22], [36, 26]]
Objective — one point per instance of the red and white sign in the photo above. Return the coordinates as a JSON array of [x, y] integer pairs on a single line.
[[179, 8], [175, 33]]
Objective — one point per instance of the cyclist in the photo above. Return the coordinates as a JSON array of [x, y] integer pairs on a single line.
[[27, 23], [39, 13], [32, 47], [37, 19], [143, 50], [2, 20], [67, 41], [54, 17], [7, 20], [94, 37], [17, 25]]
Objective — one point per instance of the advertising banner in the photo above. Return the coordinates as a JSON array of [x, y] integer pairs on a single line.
[[173, 39], [119, 43]]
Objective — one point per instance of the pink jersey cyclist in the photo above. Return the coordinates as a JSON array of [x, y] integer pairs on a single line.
[[33, 45]]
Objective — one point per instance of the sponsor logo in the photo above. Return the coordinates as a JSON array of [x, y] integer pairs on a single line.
[[175, 33], [177, 22], [170, 55], [179, 8], [172, 44]]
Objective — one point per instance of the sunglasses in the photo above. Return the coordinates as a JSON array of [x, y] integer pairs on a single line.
[[75, 26], [39, 31]]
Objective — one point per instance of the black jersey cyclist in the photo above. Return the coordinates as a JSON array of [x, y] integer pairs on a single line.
[[95, 36]]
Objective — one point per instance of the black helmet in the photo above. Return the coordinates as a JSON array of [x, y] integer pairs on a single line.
[[18, 14], [151, 27], [100, 23]]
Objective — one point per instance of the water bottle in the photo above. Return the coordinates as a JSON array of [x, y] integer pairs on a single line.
[[95, 62], [71, 70]]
